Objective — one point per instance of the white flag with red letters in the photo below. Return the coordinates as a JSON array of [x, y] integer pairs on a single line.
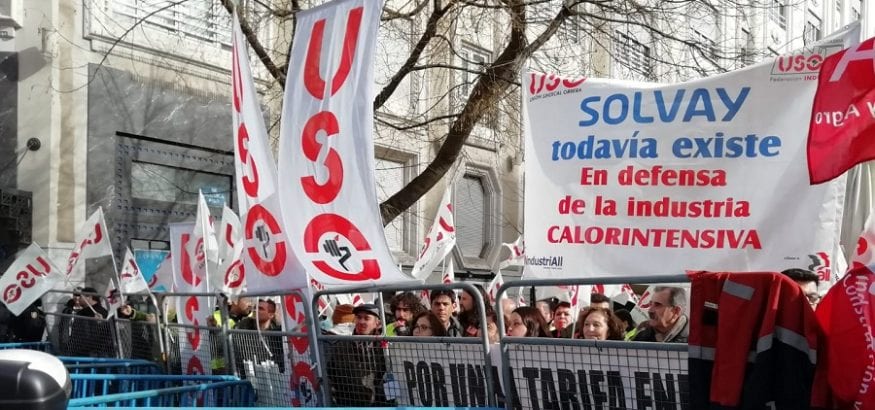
[[92, 241], [269, 263], [29, 277], [440, 240], [130, 278], [326, 153]]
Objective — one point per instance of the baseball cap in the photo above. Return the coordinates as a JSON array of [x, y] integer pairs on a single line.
[[369, 308]]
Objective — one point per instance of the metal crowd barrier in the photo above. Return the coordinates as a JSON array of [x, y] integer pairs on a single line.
[[573, 373], [72, 334], [406, 370], [215, 394], [202, 347], [41, 346], [281, 364], [87, 385]]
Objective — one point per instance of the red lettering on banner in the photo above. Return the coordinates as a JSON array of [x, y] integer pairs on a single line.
[[333, 223], [326, 121], [268, 267], [312, 78], [292, 301], [187, 274], [301, 374], [195, 367], [11, 293], [236, 81], [194, 336], [96, 237], [229, 235], [235, 274], [322, 194], [249, 179]]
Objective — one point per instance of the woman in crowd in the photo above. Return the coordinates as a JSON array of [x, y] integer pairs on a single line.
[[427, 324], [527, 321], [562, 320], [599, 324], [471, 324]]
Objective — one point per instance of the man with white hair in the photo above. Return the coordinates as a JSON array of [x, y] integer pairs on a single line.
[[668, 319]]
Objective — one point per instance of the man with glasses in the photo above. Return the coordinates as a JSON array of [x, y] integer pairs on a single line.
[[808, 281]]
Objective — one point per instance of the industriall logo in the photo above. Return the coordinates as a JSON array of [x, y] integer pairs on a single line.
[[550, 85], [547, 262]]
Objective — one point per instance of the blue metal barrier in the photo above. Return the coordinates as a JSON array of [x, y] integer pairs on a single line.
[[125, 367], [96, 360], [41, 346], [217, 394], [88, 385]]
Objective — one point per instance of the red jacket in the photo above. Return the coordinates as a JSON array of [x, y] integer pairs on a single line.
[[753, 342]]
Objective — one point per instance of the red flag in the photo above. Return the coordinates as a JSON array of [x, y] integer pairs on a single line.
[[843, 116], [846, 316]]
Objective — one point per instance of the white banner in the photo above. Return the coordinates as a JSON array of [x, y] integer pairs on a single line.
[[130, 278], [92, 241], [603, 377], [453, 375], [268, 261], [203, 246], [326, 147], [440, 240], [641, 179], [29, 277], [191, 310]]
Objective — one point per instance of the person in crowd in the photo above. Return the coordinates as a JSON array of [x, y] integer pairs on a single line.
[[357, 369], [507, 307], [598, 323], [808, 281], [443, 305], [527, 321], [629, 325], [143, 335], [668, 319], [404, 306], [89, 330], [600, 300], [237, 310], [251, 346], [562, 321], [30, 325], [471, 324], [427, 324], [546, 306], [343, 320], [466, 300]]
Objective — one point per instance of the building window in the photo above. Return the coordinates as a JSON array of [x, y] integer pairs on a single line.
[[855, 14], [813, 29], [778, 13], [747, 52], [204, 20], [632, 54], [178, 185], [472, 218], [474, 61], [391, 177]]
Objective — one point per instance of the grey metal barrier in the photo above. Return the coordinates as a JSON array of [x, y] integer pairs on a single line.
[[381, 370], [282, 365], [539, 372], [201, 348], [79, 327]]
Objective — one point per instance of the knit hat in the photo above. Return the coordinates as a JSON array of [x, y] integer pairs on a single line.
[[342, 314], [368, 308]]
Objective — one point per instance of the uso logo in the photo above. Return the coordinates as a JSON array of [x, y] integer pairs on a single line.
[[550, 83]]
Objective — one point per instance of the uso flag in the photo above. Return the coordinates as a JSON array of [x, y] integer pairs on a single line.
[[31, 275], [843, 116], [326, 153]]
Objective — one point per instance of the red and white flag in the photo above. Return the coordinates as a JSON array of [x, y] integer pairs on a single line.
[[92, 241], [269, 262], [230, 275], [494, 285], [130, 278], [162, 279], [326, 150], [517, 256], [228, 234], [114, 297], [449, 275], [202, 246], [440, 240], [842, 126], [29, 277]]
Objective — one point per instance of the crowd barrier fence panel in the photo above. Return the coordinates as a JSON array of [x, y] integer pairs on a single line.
[[215, 394], [139, 339], [211, 341], [416, 371], [282, 365], [73, 334], [87, 385], [40, 346], [573, 373], [137, 367]]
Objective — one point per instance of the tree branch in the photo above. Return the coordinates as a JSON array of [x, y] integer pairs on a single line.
[[259, 49]]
